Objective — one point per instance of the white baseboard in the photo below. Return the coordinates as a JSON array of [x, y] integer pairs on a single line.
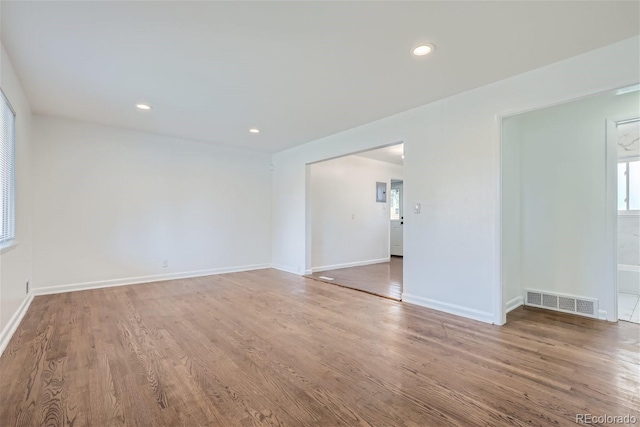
[[285, 269], [14, 322], [514, 303], [48, 290], [602, 314], [349, 264], [458, 310]]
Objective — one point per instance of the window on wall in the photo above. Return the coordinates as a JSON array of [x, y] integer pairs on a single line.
[[629, 185], [7, 171], [395, 203]]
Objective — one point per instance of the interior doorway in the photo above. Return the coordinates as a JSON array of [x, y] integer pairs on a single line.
[[627, 146], [560, 244], [355, 224]]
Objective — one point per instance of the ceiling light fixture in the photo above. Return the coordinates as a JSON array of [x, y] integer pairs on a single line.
[[423, 49], [254, 130], [143, 106]]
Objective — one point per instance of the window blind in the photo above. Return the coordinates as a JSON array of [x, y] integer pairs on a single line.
[[7, 170]]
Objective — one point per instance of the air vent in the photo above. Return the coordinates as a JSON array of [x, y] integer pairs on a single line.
[[549, 301], [585, 307], [565, 303], [534, 298]]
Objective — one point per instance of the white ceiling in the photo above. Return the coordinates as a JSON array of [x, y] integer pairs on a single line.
[[296, 70], [392, 154]]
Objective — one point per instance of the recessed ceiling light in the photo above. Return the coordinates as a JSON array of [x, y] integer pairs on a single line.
[[254, 130], [403, 156], [423, 49], [143, 106]]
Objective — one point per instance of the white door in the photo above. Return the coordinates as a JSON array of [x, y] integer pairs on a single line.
[[397, 218]]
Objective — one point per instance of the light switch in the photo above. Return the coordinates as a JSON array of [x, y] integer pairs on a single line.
[[416, 208]]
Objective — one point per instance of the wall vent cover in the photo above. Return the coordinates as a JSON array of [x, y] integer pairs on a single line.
[[585, 307], [550, 301], [568, 304], [565, 303], [534, 298]]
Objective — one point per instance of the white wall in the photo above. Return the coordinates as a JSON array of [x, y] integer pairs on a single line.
[[15, 262], [348, 226], [563, 196], [112, 204], [511, 241], [452, 160]]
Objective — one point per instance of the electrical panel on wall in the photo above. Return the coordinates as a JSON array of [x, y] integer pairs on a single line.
[[381, 192]]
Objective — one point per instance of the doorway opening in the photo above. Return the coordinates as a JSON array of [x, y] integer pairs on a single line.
[[627, 137], [355, 224], [560, 241]]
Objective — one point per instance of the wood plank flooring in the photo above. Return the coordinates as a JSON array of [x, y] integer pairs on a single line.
[[267, 348], [384, 279]]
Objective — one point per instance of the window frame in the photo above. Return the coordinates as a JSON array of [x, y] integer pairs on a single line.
[[8, 236], [626, 160], [391, 206]]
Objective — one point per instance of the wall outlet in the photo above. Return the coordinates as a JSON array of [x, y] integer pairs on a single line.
[[165, 263], [27, 287]]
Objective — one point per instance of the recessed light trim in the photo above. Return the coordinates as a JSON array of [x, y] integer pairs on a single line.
[[254, 130], [423, 49], [145, 107]]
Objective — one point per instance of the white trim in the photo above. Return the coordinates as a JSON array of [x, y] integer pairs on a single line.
[[14, 322], [499, 312], [458, 310], [350, 264], [611, 139], [514, 303], [628, 267], [285, 269], [629, 158], [48, 290], [602, 315], [308, 221], [5, 246], [624, 160]]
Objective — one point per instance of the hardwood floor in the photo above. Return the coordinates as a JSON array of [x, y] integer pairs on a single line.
[[270, 348], [384, 279]]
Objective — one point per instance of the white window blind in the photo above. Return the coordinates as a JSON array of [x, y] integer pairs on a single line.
[[7, 170]]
